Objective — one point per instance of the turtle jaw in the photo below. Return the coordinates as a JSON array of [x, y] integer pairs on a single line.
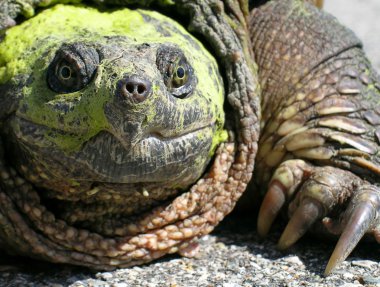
[[158, 158], [193, 130]]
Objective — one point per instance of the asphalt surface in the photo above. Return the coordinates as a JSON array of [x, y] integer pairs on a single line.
[[363, 17], [234, 255]]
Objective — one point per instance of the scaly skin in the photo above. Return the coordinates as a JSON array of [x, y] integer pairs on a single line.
[[99, 147], [319, 142], [33, 224], [317, 152]]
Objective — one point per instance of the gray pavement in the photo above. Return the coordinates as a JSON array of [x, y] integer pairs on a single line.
[[363, 17], [234, 255]]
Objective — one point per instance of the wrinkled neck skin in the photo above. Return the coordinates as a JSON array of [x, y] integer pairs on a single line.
[[316, 82]]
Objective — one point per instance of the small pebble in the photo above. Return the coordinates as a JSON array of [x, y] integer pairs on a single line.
[[364, 263], [293, 260], [106, 275], [371, 280]]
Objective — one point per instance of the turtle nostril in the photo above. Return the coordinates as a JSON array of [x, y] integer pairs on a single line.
[[141, 89], [134, 88], [130, 87]]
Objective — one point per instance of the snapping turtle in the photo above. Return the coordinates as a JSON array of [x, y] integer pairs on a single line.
[[109, 128]]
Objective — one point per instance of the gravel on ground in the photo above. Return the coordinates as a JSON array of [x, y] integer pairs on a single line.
[[232, 256]]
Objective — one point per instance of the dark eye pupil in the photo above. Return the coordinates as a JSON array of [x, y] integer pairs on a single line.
[[73, 67], [65, 72], [180, 72]]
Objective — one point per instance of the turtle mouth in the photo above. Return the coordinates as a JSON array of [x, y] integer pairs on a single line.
[[156, 157], [178, 158], [164, 136], [36, 130], [170, 135]]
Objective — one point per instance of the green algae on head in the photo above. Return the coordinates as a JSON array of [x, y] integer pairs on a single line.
[[111, 90], [116, 192]]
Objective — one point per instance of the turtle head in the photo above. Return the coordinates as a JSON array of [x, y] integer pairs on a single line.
[[127, 97]]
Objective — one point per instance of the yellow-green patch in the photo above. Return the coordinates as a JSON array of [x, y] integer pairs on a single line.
[[29, 47]]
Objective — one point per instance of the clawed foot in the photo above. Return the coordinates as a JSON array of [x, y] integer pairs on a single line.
[[339, 200]]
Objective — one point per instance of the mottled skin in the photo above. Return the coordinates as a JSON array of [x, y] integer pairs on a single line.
[[36, 214], [317, 157], [118, 137], [319, 144]]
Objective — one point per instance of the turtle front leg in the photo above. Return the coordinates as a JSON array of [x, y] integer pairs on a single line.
[[318, 157], [319, 195]]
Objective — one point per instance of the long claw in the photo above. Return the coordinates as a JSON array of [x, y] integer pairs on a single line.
[[273, 201], [306, 214], [359, 223]]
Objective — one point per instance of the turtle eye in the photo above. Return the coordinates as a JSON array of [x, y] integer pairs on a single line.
[[180, 76], [177, 73], [65, 73], [72, 68]]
